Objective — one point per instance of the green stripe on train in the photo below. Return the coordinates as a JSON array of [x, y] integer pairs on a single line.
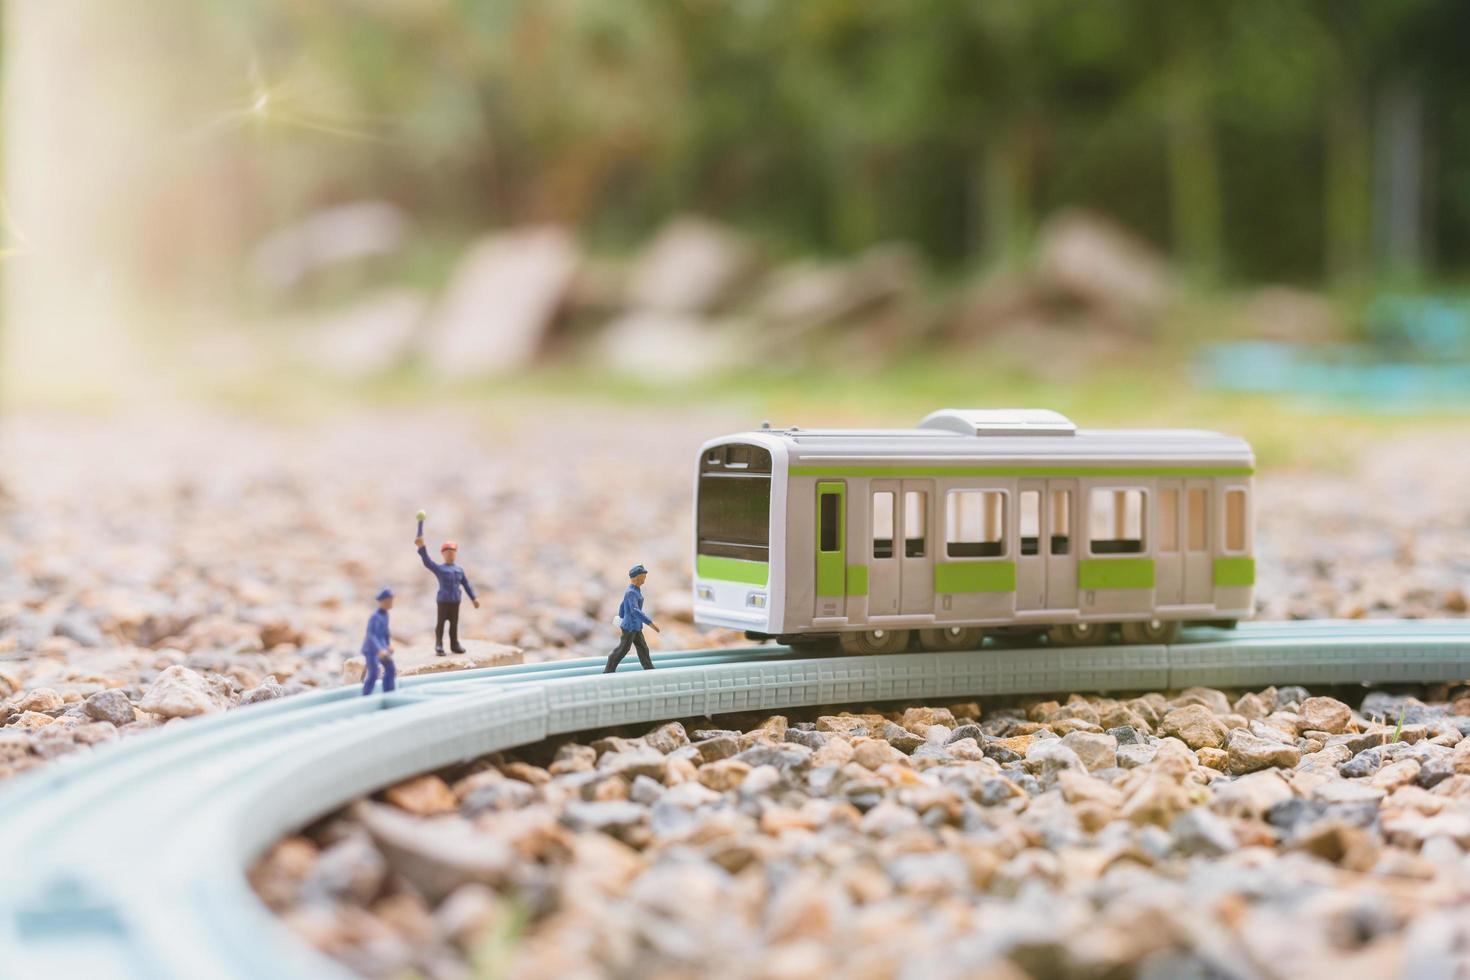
[[857, 580], [1042, 471], [1235, 571], [975, 576], [1115, 573], [732, 570]]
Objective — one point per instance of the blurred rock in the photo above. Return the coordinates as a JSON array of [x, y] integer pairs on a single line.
[[111, 706], [423, 796], [1096, 751], [1247, 753], [466, 914], [810, 294], [599, 290], [438, 855], [329, 237], [1292, 315], [268, 690], [371, 337], [79, 628], [350, 870], [501, 302], [654, 345], [1195, 726], [41, 699], [278, 878], [997, 303], [1098, 263], [691, 267], [180, 693], [1325, 715], [1198, 831], [612, 817]]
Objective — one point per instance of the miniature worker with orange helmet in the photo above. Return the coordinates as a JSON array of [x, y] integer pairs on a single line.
[[451, 577]]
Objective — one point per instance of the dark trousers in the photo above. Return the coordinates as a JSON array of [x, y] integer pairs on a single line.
[[629, 638], [448, 613], [390, 673]]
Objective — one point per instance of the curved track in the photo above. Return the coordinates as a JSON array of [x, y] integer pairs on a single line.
[[129, 860]]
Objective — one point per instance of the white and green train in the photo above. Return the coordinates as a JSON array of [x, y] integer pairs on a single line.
[[973, 522]]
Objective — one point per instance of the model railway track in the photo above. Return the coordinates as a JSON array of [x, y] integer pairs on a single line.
[[129, 860]]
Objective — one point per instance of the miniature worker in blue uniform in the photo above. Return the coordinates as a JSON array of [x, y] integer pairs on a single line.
[[451, 578], [632, 619], [377, 646]]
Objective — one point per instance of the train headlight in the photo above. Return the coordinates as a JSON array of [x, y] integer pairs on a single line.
[[706, 593], [756, 599]]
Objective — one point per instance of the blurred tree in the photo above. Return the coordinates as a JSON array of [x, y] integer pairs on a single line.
[[1189, 73], [1260, 139]]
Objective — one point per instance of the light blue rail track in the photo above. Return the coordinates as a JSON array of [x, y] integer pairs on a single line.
[[129, 860]]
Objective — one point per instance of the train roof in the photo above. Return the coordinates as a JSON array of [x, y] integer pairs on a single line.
[[1021, 436]]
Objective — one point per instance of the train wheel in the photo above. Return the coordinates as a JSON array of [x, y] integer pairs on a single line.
[[1150, 631], [951, 638], [875, 641], [1078, 635]]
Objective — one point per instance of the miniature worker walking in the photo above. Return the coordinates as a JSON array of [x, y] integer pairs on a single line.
[[632, 619], [451, 577], [377, 646]]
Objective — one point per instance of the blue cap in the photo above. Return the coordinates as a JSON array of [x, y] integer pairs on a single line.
[[387, 593], [636, 571]]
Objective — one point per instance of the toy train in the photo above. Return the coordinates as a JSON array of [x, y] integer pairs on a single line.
[[974, 522]]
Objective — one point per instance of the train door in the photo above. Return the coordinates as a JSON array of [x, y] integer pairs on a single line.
[[1199, 535], [1059, 544], [916, 559], [1169, 550], [884, 575], [1030, 555], [831, 571]]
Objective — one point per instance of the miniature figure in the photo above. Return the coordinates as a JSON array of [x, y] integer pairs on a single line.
[[632, 619], [378, 645], [451, 577]]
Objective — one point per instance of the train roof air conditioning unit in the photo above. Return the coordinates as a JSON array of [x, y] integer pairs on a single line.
[[1000, 422]]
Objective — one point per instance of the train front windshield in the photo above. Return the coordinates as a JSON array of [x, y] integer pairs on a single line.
[[734, 514]]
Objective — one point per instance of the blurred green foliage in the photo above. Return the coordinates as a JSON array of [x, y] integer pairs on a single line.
[[1254, 139], [1315, 141]]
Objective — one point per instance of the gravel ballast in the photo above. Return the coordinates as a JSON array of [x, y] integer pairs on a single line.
[[955, 840]]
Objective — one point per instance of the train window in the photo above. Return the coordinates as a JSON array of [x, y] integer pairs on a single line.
[[1061, 522], [1198, 538], [1115, 522], [830, 518], [976, 524], [1168, 520], [883, 502], [915, 524], [733, 510], [1234, 520], [1030, 522]]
